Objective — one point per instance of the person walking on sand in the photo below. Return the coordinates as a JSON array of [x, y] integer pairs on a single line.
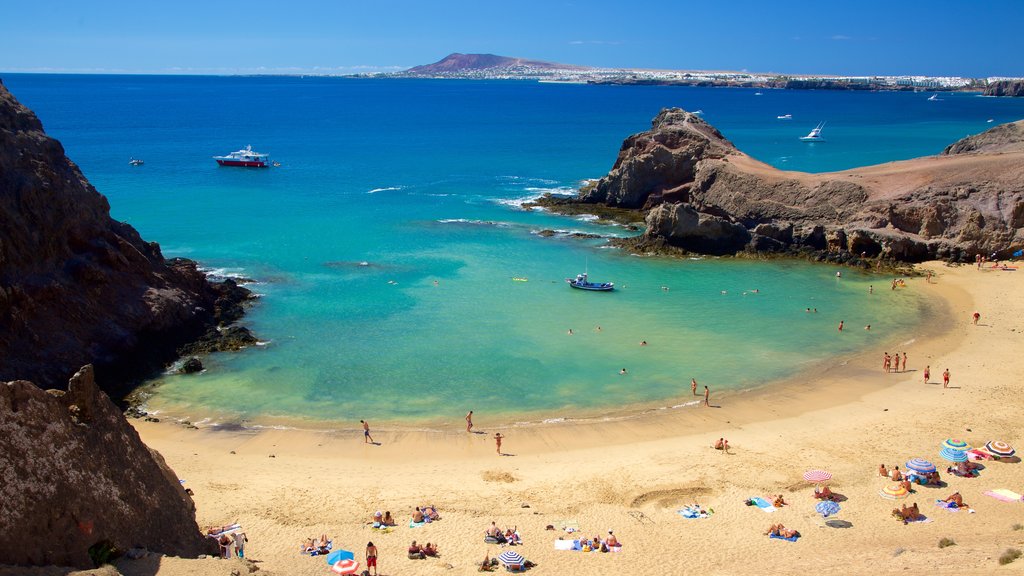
[[497, 440], [693, 386], [927, 373], [707, 395], [904, 362], [945, 378], [977, 316], [469, 421], [371, 557], [366, 432]]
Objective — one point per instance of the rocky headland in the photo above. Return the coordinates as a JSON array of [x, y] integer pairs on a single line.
[[696, 192], [78, 287], [1005, 88], [77, 484]]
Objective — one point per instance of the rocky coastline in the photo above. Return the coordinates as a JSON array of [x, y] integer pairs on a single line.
[[697, 193], [78, 287], [1013, 88]]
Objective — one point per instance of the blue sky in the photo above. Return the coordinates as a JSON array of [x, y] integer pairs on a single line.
[[936, 37]]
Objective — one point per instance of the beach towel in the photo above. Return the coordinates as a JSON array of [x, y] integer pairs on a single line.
[[777, 537], [227, 530], [416, 524], [320, 551], [763, 504], [1003, 494], [564, 544], [692, 513], [922, 520], [570, 526], [951, 506]]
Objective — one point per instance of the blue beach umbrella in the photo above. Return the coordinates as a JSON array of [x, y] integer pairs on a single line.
[[510, 557], [827, 508], [921, 466], [953, 455], [337, 555]]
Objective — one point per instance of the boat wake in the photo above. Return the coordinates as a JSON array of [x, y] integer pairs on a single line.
[[387, 189]]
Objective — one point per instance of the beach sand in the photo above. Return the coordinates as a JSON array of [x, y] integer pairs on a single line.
[[632, 474]]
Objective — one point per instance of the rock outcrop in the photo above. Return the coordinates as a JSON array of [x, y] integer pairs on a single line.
[[699, 193], [1005, 88], [76, 286], [74, 474]]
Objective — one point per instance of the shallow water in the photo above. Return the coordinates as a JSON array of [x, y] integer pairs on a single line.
[[421, 180]]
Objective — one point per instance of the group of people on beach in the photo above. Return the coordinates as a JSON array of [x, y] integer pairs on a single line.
[[495, 535], [892, 363], [417, 552]]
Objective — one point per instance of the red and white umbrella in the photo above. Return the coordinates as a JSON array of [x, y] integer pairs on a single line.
[[346, 566], [817, 475]]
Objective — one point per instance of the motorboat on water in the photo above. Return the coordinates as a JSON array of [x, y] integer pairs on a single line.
[[814, 135], [934, 98], [758, 94], [246, 158], [581, 282], [785, 117], [136, 162]]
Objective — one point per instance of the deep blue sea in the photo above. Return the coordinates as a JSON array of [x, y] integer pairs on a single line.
[[422, 180]]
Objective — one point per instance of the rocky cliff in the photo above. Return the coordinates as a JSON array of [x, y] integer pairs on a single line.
[[74, 474], [76, 286], [699, 193], [1005, 88]]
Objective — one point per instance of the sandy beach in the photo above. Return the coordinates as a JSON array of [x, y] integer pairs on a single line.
[[632, 474]]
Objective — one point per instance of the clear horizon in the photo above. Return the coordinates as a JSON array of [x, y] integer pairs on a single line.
[[940, 38]]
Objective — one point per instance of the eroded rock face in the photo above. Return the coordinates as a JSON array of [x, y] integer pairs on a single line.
[[76, 286], [703, 195], [1005, 88], [73, 473]]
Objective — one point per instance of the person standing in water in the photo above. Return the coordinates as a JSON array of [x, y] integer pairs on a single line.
[[693, 386], [469, 421], [840, 325], [707, 395]]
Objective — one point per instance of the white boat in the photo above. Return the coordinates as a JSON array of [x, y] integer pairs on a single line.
[[758, 94], [136, 162], [785, 117], [814, 135], [934, 98], [246, 158]]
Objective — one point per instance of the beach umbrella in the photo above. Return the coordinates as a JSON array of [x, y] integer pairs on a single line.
[[998, 448], [894, 492], [348, 566], [953, 455], [954, 444], [340, 555], [817, 475], [920, 465], [827, 508], [510, 557]]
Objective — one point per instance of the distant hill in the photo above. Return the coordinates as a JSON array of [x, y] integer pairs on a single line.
[[457, 63]]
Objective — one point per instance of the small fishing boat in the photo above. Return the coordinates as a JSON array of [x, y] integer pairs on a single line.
[[136, 162], [582, 283], [814, 135]]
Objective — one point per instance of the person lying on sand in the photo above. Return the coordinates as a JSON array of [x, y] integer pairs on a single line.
[[512, 536], [780, 530], [486, 566], [955, 498], [779, 501], [431, 512], [218, 529], [906, 514], [822, 492]]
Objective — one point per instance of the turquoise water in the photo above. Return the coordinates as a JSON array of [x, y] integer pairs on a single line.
[[421, 179]]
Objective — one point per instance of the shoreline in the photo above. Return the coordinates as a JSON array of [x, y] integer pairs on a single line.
[[670, 407], [632, 475]]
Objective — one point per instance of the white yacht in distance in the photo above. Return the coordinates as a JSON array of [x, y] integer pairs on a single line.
[[785, 117], [934, 98], [814, 135]]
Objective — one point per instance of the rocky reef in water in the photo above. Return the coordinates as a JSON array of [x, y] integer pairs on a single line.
[[698, 193], [76, 476], [78, 287]]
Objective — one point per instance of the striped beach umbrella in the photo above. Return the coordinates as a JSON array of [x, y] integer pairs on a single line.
[[999, 448], [510, 557], [894, 492], [954, 444], [921, 466], [347, 566], [817, 475], [827, 508], [953, 455]]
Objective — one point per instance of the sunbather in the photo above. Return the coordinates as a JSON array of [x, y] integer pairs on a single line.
[[415, 551], [388, 520], [907, 514], [822, 492], [906, 484], [429, 550], [218, 529], [895, 474], [431, 512], [722, 444], [882, 471], [933, 479], [779, 501], [512, 536], [780, 530], [955, 498], [493, 531], [417, 516], [611, 540], [486, 566]]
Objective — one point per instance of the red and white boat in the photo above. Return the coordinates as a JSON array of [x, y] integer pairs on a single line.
[[246, 158]]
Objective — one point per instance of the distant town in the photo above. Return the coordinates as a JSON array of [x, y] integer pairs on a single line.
[[493, 67]]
